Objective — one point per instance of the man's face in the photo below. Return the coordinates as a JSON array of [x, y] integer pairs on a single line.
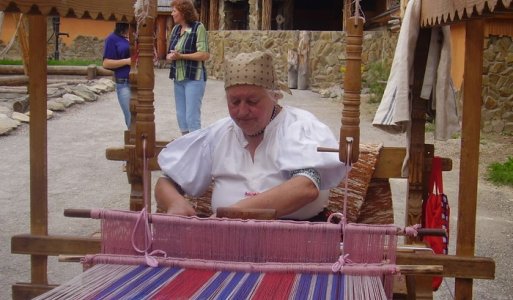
[[250, 106]]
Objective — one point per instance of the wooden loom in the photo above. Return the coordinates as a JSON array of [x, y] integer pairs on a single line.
[[39, 244]]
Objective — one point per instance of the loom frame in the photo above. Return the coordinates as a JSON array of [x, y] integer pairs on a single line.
[[39, 244]]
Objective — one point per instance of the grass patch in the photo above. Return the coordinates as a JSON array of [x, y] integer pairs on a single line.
[[52, 62], [501, 173], [376, 79], [74, 62], [430, 127], [11, 62]]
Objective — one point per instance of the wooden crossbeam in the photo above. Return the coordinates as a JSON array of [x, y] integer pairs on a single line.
[[389, 163], [22, 290], [53, 245], [453, 266]]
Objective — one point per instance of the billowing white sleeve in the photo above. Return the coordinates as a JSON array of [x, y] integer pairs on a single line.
[[300, 137], [188, 161]]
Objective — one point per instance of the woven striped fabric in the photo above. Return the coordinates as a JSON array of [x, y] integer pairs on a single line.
[[142, 282]]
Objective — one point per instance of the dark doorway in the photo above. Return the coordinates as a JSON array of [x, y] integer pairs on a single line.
[[325, 15], [236, 15]]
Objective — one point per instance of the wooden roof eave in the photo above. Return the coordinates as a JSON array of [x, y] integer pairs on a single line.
[[442, 12], [113, 10]]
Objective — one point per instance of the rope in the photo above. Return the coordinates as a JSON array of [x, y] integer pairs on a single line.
[[141, 10], [358, 12], [144, 218], [13, 38]]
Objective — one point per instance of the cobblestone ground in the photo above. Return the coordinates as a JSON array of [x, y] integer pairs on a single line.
[[81, 177]]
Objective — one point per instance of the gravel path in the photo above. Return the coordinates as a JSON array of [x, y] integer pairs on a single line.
[[81, 177]]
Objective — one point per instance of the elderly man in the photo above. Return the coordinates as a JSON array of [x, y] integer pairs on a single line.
[[262, 156]]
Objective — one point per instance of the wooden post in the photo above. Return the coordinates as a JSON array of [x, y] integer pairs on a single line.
[[133, 164], [91, 72], [213, 23], [38, 142], [204, 8], [302, 68], [352, 89], [469, 155], [292, 63], [416, 163], [161, 37], [145, 111], [267, 8]]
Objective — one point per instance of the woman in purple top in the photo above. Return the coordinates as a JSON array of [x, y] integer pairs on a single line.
[[116, 57]]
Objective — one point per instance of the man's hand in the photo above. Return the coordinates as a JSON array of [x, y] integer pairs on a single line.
[[182, 208], [170, 198]]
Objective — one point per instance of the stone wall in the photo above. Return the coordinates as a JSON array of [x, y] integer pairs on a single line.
[[497, 110], [326, 56], [326, 61], [83, 48]]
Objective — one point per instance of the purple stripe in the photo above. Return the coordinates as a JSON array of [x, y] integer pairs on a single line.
[[120, 282], [127, 288], [157, 283]]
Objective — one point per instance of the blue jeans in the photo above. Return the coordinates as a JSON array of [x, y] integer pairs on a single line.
[[123, 91], [188, 98]]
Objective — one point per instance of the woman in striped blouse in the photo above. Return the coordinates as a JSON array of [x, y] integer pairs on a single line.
[[188, 51]]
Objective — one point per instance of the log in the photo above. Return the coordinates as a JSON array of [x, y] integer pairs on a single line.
[[66, 81], [58, 70], [13, 89], [50, 88], [14, 79], [21, 105]]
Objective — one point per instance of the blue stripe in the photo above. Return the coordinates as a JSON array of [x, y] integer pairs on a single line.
[[303, 288], [320, 286], [135, 283], [227, 290], [118, 283], [158, 282], [247, 286], [337, 290], [214, 285]]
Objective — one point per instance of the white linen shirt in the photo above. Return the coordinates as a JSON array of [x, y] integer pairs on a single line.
[[217, 153]]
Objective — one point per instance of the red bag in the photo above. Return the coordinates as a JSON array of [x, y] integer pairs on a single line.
[[436, 214]]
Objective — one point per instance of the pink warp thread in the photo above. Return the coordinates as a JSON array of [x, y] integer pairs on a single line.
[[143, 219], [372, 246], [246, 240]]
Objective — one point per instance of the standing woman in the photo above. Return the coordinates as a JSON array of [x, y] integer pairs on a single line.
[[116, 57], [188, 51]]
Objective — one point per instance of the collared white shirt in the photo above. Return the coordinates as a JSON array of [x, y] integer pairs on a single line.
[[217, 153]]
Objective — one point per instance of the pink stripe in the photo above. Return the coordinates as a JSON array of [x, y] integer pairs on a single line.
[[275, 286], [185, 284]]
